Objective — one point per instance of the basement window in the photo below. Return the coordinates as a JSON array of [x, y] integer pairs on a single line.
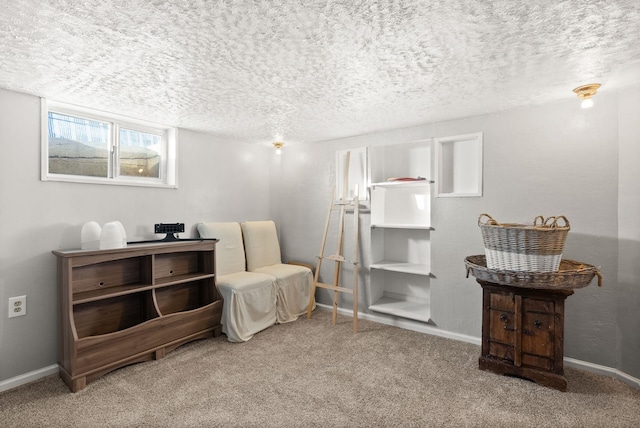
[[87, 146]]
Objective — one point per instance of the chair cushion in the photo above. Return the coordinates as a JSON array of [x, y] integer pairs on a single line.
[[261, 244], [229, 249]]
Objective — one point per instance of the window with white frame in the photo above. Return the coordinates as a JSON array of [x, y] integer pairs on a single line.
[[87, 146]]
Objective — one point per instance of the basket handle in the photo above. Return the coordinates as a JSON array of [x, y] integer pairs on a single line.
[[564, 219], [490, 220], [552, 221], [538, 218], [599, 278], [596, 273]]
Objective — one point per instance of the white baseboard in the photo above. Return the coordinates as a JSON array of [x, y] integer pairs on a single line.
[[425, 328], [604, 370], [28, 377], [406, 324]]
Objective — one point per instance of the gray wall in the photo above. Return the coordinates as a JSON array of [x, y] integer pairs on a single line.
[[218, 181], [552, 159], [628, 307], [545, 160]]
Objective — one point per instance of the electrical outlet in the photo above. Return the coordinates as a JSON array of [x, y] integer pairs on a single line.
[[17, 306]]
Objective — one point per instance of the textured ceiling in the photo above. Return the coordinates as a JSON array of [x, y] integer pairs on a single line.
[[312, 70]]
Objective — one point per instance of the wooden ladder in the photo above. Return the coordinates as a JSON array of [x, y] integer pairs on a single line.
[[338, 258]]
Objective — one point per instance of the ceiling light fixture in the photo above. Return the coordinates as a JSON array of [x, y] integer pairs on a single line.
[[278, 145], [585, 92]]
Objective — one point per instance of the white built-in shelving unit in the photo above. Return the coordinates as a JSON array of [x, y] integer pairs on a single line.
[[400, 230], [459, 165], [400, 280]]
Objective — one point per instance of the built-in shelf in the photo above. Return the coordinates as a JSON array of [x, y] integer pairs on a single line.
[[394, 266], [417, 183], [409, 206], [400, 272], [401, 226], [459, 166], [400, 231], [415, 310]]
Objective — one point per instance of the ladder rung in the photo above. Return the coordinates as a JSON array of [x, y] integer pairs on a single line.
[[338, 259], [334, 288]]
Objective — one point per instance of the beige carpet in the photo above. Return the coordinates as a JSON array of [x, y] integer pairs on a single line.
[[311, 373]]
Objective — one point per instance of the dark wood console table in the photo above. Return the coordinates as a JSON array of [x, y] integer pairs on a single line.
[[523, 333], [523, 318]]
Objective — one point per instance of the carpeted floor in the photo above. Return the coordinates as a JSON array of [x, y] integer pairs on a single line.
[[311, 373]]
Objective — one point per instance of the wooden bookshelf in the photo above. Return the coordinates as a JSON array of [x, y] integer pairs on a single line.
[[133, 304]]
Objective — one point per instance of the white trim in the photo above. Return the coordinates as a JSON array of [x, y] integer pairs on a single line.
[[44, 136], [109, 181], [169, 135], [100, 115], [406, 324], [603, 370], [172, 157], [359, 158], [23, 379], [423, 328]]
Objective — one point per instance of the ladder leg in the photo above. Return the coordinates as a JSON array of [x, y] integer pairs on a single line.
[[319, 265], [355, 299], [313, 289], [336, 283], [338, 265], [356, 220], [338, 257]]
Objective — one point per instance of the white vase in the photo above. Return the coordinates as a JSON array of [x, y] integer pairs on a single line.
[[112, 236], [90, 236]]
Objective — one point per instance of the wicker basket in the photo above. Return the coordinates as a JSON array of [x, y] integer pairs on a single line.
[[570, 275], [519, 247]]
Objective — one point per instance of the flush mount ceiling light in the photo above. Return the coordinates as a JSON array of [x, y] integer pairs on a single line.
[[278, 146], [585, 92]]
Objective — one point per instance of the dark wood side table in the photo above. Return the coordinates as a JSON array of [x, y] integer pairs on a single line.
[[523, 333]]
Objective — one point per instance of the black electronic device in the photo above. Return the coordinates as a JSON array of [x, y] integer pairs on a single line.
[[170, 229]]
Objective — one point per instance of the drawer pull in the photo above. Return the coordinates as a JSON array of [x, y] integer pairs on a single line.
[[537, 323], [503, 317]]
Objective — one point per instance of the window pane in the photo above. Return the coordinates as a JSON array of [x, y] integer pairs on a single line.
[[78, 146], [140, 153]]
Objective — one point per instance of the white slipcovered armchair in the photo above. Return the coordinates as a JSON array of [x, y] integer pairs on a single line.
[[249, 297], [293, 282]]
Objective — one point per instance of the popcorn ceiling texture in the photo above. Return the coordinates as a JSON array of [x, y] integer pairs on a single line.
[[313, 70]]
